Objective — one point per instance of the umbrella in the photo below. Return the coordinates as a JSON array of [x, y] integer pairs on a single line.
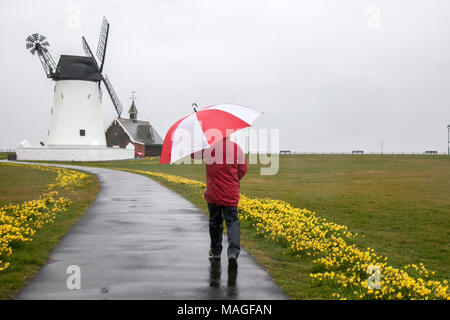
[[200, 129]]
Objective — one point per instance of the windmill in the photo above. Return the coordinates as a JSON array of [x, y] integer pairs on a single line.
[[76, 117]]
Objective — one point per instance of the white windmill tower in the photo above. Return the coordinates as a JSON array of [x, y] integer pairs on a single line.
[[76, 115]]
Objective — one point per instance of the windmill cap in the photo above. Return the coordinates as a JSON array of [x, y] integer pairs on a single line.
[[77, 68]]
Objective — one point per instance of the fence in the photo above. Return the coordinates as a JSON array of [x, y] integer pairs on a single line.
[[327, 153]]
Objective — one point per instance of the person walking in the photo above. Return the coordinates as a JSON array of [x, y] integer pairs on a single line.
[[225, 167]]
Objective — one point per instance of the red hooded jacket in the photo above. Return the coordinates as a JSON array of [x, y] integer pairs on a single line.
[[225, 167]]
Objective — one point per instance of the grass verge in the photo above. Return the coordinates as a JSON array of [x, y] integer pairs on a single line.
[[27, 258]]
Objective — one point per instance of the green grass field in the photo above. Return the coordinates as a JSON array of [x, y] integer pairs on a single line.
[[22, 184], [18, 184], [401, 204]]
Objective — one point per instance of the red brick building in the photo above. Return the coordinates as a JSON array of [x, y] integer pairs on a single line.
[[139, 133]]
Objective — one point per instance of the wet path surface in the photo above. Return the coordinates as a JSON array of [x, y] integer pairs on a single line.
[[139, 240]]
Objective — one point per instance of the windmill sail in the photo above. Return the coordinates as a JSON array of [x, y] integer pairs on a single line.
[[102, 41], [87, 50], [115, 100], [101, 50]]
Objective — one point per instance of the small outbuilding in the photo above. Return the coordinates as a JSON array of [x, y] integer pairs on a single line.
[[141, 134]]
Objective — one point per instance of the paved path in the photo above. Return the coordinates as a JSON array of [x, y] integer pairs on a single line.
[[139, 240]]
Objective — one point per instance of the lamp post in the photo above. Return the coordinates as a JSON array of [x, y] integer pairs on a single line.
[[448, 127]]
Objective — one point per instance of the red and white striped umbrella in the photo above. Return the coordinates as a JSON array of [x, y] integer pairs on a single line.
[[200, 129]]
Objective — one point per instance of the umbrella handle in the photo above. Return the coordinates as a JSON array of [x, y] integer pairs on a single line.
[[195, 108]]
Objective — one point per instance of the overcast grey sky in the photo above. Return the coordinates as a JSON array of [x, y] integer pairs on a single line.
[[331, 75]]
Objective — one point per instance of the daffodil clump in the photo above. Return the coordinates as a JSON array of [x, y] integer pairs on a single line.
[[19, 222], [68, 179], [337, 259], [332, 247]]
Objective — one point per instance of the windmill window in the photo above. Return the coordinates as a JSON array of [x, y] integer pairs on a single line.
[[82, 132]]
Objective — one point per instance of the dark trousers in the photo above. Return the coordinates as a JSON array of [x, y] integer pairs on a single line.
[[230, 214]]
